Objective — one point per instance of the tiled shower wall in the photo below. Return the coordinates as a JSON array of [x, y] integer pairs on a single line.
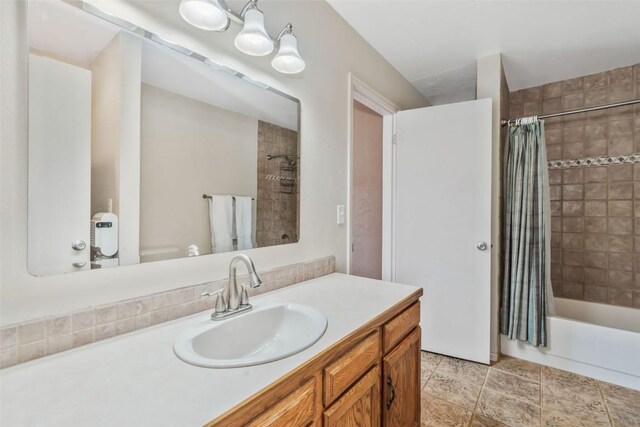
[[595, 210], [277, 205]]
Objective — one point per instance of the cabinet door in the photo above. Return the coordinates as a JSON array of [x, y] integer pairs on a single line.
[[359, 406], [297, 409], [401, 383]]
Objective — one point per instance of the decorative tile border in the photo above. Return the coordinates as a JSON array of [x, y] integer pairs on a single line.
[[33, 339], [593, 161]]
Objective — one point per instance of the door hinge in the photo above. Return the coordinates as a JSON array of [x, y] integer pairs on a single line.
[[394, 139], [353, 247]]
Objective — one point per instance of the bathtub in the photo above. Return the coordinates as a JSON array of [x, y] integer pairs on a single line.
[[596, 340]]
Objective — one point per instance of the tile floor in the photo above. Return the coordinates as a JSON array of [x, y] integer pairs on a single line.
[[514, 392]]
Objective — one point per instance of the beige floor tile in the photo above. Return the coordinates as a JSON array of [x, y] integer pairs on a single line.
[[429, 362], [621, 397], [521, 368], [482, 421], [438, 413], [574, 403], [507, 410], [624, 418], [554, 419], [454, 389], [557, 378], [513, 386], [470, 371]]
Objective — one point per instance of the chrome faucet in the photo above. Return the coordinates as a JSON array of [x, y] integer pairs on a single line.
[[254, 280], [237, 302]]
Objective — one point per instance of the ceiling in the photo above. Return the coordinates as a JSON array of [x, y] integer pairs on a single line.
[[435, 43], [67, 33]]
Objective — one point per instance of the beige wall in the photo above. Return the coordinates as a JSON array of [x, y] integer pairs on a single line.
[[595, 230], [366, 229], [115, 139], [331, 48], [189, 148]]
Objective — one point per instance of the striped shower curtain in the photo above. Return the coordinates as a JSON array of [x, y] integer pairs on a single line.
[[526, 278]]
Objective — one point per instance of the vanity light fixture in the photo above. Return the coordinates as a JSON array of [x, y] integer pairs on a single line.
[[288, 59], [253, 39], [204, 14]]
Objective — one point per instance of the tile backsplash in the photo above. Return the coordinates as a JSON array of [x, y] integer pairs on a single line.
[[30, 340]]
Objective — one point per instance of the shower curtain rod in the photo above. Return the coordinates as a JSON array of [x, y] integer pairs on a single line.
[[581, 110]]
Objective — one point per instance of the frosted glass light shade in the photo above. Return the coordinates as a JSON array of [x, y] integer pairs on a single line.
[[253, 39], [288, 59], [204, 14]]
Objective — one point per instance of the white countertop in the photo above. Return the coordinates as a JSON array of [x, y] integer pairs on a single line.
[[136, 379]]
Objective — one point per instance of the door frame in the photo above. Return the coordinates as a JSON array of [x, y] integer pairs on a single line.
[[366, 95]]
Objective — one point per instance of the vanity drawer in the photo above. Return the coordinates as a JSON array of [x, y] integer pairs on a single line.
[[339, 375], [296, 409], [398, 327]]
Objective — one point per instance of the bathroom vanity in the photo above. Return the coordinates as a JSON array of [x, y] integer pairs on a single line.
[[366, 366]]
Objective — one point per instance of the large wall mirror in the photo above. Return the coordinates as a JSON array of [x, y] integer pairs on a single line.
[[141, 150]]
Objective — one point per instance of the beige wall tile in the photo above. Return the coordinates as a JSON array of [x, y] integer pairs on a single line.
[[595, 276], [620, 279], [572, 85], [620, 191], [596, 148], [621, 244], [596, 259], [595, 191], [623, 297], [621, 261], [573, 290], [620, 226], [620, 208], [573, 224], [595, 294], [573, 176], [595, 208], [59, 343], [596, 242], [31, 351], [596, 174], [595, 225], [83, 319], [596, 81], [8, 337], [621, 145], [31, 332], [58, 326], [620, 76], [572, 258], [573, 192]]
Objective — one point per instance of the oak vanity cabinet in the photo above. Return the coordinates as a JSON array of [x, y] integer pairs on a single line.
[[370, 378]]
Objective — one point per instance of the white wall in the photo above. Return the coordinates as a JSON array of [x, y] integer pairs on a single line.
[[331, 48], [189, 148], [115, 148]]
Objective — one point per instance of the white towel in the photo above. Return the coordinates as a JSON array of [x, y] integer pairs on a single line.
[[244, 221], [221, 218]]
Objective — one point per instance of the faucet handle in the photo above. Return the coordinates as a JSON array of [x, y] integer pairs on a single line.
[[244, 296], [220, 305]]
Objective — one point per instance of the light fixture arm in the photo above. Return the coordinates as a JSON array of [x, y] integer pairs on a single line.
[[251, 4], [288, 29]]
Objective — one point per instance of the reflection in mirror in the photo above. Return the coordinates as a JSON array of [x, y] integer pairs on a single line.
[[140, 152]]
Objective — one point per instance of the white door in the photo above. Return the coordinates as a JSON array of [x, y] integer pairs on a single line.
[[442, 213], [59, 166]]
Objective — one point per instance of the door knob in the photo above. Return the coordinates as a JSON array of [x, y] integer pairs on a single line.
[[78, 245], [482, 246]]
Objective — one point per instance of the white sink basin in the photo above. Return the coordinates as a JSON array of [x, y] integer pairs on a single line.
[[266, 333]]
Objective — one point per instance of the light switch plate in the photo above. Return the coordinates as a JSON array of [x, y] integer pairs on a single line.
[[340, 216]]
